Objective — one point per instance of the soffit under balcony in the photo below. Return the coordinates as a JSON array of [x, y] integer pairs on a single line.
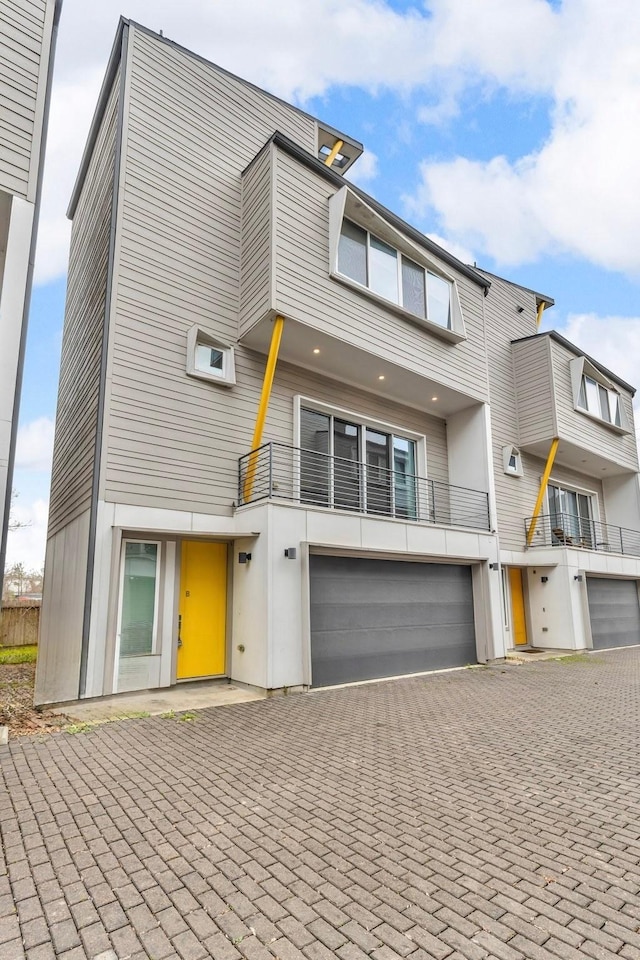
[[577, 458], [343, 362]]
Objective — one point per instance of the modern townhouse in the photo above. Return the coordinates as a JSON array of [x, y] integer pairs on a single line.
[[27, 41], [284, 414], [563, 442]]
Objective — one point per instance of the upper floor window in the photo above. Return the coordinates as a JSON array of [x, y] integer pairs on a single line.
[[597, 396], [375, 264], [599, 400]]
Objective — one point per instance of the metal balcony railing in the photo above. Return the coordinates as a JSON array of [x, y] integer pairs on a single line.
[[567, 530], [278, 471]]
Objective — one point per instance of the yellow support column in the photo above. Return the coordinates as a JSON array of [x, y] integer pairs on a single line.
[[337, 147], [543, 486], [263, 406], [541, 309]]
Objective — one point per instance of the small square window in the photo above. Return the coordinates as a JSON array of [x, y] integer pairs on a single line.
[[512, 461], [209, 359]]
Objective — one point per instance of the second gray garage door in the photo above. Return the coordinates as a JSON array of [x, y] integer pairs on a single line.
[[382, 618], [614, 612]]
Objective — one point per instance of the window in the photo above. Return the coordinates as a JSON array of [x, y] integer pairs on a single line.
[[209, 358], [600, 400], [571, 517], [512, 461], [353, 466], [367, 260], [138, 599]]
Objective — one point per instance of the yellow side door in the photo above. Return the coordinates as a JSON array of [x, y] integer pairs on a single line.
[[203, 609], [518, 618]]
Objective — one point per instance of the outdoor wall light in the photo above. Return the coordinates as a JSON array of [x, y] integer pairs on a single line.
[[290, 553], [578, 577], [244, 557], [494, 566], [544, 579]]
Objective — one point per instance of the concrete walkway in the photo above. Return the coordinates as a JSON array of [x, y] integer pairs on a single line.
[[487, 813], [197, 695]]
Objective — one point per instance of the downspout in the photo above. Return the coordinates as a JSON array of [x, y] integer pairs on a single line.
[[263, 406], [543, 487]]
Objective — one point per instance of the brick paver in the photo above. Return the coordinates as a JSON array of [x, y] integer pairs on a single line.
[[489, 813]]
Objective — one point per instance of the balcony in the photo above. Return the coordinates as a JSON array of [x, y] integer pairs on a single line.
[[567, 530], [281, 472]]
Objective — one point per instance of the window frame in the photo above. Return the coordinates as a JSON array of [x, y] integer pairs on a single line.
[[507, 452], [364, 423], [346, 205], [197, 336], [594, 500], [582, 370]]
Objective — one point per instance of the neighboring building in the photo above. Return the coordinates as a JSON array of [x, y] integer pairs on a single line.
[[27, 42], [213, 234]]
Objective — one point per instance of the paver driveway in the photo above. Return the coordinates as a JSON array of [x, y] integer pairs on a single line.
[[484, 813]]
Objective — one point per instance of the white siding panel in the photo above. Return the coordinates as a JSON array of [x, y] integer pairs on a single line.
[[76, 421], [60, 641]]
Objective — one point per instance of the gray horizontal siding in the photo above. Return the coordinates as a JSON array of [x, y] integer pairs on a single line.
[[515, 496], [580, 429], [22, 29], [76, 419], [257, 234], [305, 291], [173, 441], [534, 390]]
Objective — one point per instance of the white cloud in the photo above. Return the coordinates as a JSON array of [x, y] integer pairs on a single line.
[[28, 543], [462, 253], [580, 191], [365, 169], [34, 448]]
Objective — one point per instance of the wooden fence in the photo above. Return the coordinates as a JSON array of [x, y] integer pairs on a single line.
[[19, 624]]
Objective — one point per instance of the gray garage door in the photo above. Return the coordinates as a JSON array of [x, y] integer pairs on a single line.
[[614, 612], [381, 618]]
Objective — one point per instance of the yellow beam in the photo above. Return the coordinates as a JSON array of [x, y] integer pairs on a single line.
[[541, 308], [543, 486], [263, 406], [337, 147]]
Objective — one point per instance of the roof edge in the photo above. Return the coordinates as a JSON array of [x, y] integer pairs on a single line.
[[299, 153], [554, 335], [540, 297], [94, 129]]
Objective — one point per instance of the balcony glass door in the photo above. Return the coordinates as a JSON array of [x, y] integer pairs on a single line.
[[349, 466], [571, 517], [346, 465]]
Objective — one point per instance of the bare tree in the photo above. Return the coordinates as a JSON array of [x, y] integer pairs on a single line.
[[13, 523]]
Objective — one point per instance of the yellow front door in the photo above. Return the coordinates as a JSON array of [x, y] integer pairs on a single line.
[[203, 608], [518, 618]]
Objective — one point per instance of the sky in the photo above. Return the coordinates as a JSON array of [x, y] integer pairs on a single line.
[[506, 130]]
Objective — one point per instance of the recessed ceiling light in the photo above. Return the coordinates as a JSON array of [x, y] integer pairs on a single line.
[[316, 349], [381, 377], [434, 398]]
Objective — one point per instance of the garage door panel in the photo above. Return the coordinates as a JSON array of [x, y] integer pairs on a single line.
[[378, 618], [346, 616], [389, 655], [614, 612]]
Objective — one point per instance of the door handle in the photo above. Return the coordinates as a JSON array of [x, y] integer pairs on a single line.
[[179, 629]]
